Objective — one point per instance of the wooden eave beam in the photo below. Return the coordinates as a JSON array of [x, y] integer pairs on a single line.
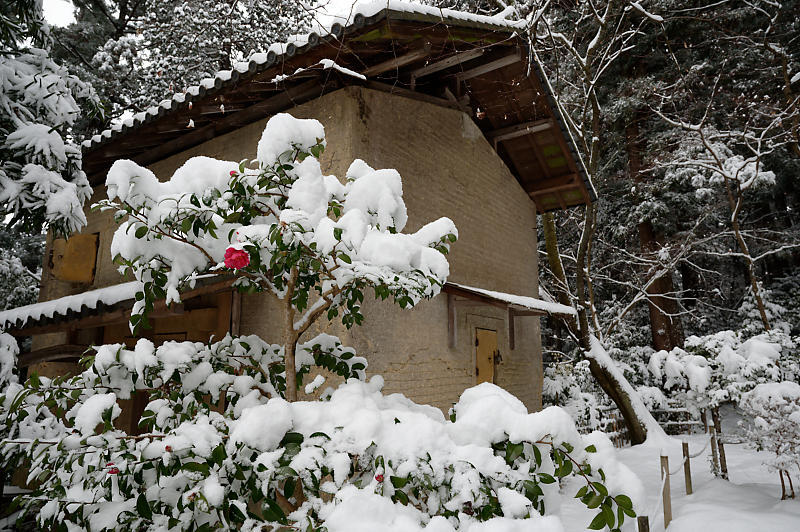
[[489, 67], [49, 354], [518, 130], [451, 61], [551, 185], [398, 62], [414, 95]]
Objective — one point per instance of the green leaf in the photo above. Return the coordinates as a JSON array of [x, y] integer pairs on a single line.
[[346, 258], [337, 233], [401, 496], [544, 478], [273, 512], [292, 437], [608, 514], [143, 507], [218, 455], [513, 451], [595, 501], [600, 488], [141, 231], [196, 467], [624, 501], [398, 482], [591, 449], [598, 523], [288, 487]]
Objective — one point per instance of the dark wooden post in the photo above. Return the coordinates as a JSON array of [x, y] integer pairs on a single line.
[[714, 452], [666, 495], [723, 462], [687, 468], [644, 523]]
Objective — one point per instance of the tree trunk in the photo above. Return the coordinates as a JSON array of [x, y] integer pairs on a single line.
[[290, 338], [580, 327], [665, 328]]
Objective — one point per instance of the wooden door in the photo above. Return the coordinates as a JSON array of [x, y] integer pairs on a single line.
[[485, 351]]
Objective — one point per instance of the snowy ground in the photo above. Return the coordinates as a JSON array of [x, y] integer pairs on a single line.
[[749, 502]]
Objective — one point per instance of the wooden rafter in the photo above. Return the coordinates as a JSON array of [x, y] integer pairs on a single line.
[[488, 67], [518, 130]]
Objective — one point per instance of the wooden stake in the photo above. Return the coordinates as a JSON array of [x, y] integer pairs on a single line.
[[667, 498], [714, 452], [723, 462], [643, 523], [687, 468]]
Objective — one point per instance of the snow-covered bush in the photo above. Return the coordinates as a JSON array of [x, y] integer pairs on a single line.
[[223, 442], [720, 367], [774, 409], [285, 228], [221, 448]]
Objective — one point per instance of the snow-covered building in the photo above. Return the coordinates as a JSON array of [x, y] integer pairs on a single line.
[[448, 99]]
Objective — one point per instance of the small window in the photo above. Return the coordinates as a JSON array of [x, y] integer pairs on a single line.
[[75, 259]]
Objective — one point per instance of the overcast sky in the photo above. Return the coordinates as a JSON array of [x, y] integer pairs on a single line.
[[58, 12]]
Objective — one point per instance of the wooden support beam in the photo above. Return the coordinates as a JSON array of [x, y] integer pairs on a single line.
[[546, 186], [518, 130], [451, 61], [398, 62], [48, 354], [511, 331], [452, 324], [488, 67], [236, 311], [400, 91]]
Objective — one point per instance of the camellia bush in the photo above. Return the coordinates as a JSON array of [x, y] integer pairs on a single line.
[[223, 442]]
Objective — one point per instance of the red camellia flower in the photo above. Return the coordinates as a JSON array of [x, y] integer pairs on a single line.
[[113, 471], [233, 173], [236, 258], [168, 448], [379, 478]]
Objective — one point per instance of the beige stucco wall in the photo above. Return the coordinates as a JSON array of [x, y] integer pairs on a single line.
[[448, 169]]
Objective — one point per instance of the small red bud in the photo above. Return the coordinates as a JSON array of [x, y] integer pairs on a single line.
[[113, 471], [233, 173], [379, 478], [109, 464], [168, 448]]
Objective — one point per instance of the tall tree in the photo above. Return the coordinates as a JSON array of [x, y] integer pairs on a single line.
[[41, 181]]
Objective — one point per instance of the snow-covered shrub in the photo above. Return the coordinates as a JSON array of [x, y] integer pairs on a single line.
[[282, 226], [774, 409], [720, 367], [223, 442], [220, 447]]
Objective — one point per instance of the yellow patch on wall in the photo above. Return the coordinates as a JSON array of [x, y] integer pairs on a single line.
[[74, 259]]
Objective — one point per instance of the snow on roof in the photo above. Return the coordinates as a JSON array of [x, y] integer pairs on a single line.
[[330, 21], [109, 295], [530, 303]]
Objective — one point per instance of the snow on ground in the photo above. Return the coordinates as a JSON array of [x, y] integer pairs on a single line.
[[749, 502]]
